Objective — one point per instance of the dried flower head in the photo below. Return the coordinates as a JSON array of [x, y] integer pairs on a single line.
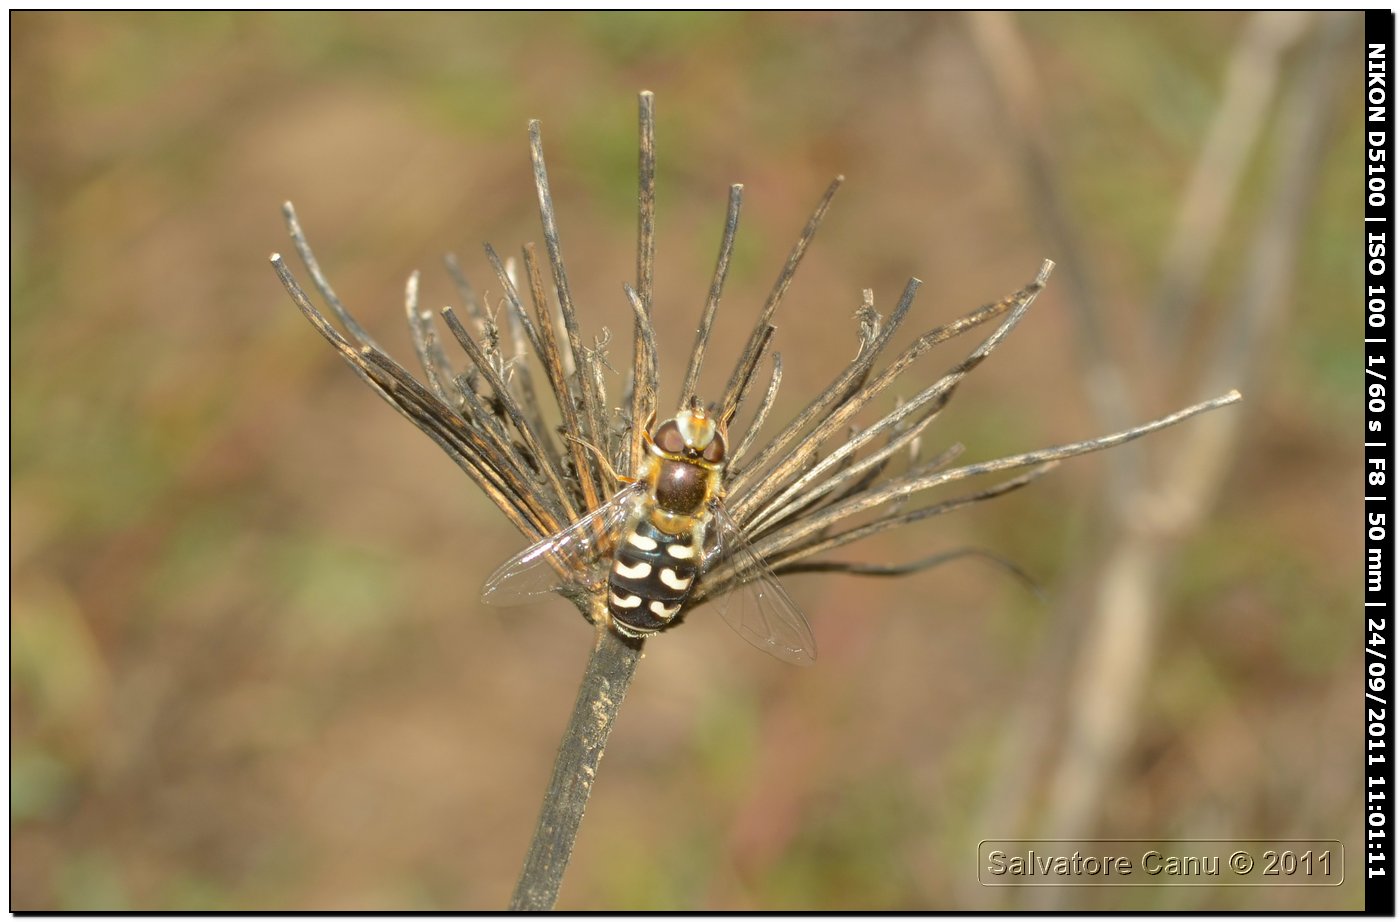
[[822, 482], [800, 494]]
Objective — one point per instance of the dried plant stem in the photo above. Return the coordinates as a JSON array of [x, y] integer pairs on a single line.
[[763, 329], [593, 428], [600, 694], [644, 358], [786, 545], [761, 416], [559, 381], [707, 319]]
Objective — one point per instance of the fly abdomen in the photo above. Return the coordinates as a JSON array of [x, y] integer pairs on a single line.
[[652, 575]]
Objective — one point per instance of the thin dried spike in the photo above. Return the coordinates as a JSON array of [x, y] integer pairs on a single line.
[[393, 375], [934, 397], [550, 356], [442, 432], [589, 376], [479, 473], [433, 418], [437, 420], [646, 197], [904, 486], [559, 380], [841, 465], [780, 287], [894, 514], [428, 416], [436, 368], [845, 384], [518, 319], [445, 429], [801, 504], [1018, 304], [318, 320], [897, 519], [801, 493], [529, 403], [561, 337], [873, 471], [592, 413], [528, 433], [515, 316], [516, 308], [781, 552], [507, 484], [523, 330], [470, 302], [424, 410], [748, 364], [707, 319], [644, 356], [472, 407], [914, 448], [761, 416], [490, 443], [952, 453], [323, 286], [943, 459], [597, 361], [643, 404], [851, 568]]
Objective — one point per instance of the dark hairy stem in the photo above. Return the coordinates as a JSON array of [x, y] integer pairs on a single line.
[[605, 681]]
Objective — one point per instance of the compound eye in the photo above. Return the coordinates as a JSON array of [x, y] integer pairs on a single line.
[[714, 452], [668, 438]]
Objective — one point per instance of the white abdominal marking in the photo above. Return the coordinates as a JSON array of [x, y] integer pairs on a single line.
[[668, 576], [641, 541], [680, 551], [638, 572], [665, 611], [629, 602]]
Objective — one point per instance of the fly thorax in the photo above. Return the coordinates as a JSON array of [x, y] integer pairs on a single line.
[[682, 488]]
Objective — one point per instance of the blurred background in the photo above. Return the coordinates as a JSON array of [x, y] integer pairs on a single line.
[[248, 668]]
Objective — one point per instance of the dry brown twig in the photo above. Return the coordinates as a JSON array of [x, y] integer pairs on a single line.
[[817, 485]]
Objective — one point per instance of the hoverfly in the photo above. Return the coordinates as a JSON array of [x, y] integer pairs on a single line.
[[654, 539]]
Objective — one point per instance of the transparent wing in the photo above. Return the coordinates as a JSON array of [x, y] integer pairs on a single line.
[[757, 606], [575, 558]]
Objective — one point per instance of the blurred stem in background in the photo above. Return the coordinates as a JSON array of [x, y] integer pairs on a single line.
[[1155, 498]]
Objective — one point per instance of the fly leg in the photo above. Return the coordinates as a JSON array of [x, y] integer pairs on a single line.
[[603, 460]]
